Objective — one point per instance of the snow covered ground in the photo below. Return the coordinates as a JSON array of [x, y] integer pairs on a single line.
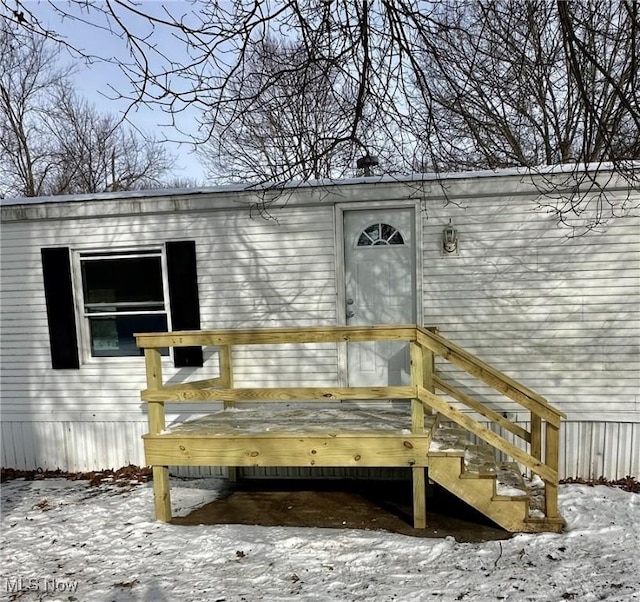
[[63, 540]]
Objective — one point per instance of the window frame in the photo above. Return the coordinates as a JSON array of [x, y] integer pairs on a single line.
[[386, 245], [83, 317]]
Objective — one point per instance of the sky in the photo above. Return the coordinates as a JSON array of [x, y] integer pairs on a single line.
[[94, 82], [65, 541]]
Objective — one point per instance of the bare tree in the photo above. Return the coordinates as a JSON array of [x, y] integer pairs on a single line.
[[507, 89], [530, 84], [95, 152], [367, 45], [29, 75], [54, 142], [282, 122], [389, 59], [181, 182]]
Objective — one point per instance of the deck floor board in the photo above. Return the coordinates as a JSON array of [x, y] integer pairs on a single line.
[[269, 421]]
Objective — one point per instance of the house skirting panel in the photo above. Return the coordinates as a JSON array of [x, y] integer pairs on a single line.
[[73, 446]]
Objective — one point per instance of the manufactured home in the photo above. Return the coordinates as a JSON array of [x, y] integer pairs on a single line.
[[482, 259]]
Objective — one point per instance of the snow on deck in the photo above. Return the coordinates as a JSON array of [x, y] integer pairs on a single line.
[[267, 419]]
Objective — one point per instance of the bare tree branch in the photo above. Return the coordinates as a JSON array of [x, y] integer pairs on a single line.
[[440, 86], [52, 141]]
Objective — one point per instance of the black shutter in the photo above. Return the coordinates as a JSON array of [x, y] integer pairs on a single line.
[[58, 292], [183, 295]]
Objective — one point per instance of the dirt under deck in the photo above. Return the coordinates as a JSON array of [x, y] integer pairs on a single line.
[[344, 504]]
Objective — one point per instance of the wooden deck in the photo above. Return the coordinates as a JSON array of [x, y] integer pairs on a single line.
[[418, 434], [298, 437]]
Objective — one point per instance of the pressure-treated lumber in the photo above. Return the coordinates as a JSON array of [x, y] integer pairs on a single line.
[[440, 405], [419, 487], [225, 362], [552, 442], [226, 366], [417, 378], [489, 375], [480, 493], [278, 394], [320, 334], [162, 493], [287, 449], [340, 446], [536, 436], [428, 369], [153, 365], [418, 476], [161, 487], [496, 490], [470, 402]]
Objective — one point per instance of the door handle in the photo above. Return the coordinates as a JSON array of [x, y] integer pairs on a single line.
[[350, 313]]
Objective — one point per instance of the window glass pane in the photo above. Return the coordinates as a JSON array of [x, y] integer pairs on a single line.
[[396, 239], [364, 241], [373, 231], [387, 231], [380, 234], [112, 336], [136, 279]]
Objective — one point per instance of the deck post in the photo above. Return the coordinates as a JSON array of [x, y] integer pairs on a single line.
[[536, 436], [551, 452], [428, 372], [225, 359], [429, 366], [417, 380], [162, 493], [161, 486], [419, 498], [417, 426]]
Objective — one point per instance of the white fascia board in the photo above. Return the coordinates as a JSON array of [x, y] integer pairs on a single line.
[[513, 181]]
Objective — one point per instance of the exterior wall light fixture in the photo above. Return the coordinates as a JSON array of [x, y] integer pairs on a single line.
[[450, 240]]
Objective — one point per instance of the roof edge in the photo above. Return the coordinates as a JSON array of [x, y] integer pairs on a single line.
[[384, 179]]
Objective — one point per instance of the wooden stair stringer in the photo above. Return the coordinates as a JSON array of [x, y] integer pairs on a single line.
[[480, 493]]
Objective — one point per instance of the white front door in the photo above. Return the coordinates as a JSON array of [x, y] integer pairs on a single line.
[[380, 288]]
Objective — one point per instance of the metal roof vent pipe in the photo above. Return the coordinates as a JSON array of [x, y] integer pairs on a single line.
[[366, 163]]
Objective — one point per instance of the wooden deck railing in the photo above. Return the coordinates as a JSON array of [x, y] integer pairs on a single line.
[[425, 344], [543, 462]]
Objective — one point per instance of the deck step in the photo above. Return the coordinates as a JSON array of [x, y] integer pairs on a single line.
[[452, 441], [479, 462], [510, 483], [447, 440], [535, 490], [498, 490]]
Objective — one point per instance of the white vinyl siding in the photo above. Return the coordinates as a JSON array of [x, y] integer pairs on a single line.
[[559, 313], [251, 273]]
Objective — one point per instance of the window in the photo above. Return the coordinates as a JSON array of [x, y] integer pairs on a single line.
[[380, 234], [123, 293]]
